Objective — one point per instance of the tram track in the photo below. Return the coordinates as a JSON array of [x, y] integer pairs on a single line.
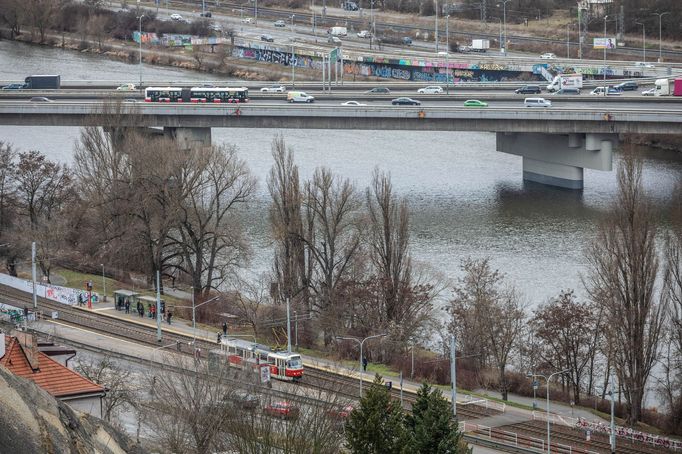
[[345, 387], [575, 438]]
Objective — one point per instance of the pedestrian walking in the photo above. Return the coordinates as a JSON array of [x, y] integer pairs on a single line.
[[364, 364], [127, 306], [140, 309], [224, 328], [220, 337], [153, 312], [170, 314]]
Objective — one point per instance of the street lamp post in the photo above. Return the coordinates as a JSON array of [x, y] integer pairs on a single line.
[[499, 21], [548, 380], [447, 54], [140, 52], [660, 27], [293, 55], [104, 286], [605, 46], [436, 37], [362, 343], [568, 41], [504, 14], [643, 41]]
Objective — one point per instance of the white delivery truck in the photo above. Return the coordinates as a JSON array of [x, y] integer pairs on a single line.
[[338, 31], [566, 81], [480, 45]]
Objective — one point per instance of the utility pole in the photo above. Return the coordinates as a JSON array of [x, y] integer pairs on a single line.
[[660, 36], [140, 52], [158, 306], [605, 46], [288, 327], [436, 26], [643, 41], [453, 373], [33, 275], [612, 435]]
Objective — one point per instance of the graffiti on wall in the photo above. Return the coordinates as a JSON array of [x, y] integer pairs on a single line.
[[387, 68]]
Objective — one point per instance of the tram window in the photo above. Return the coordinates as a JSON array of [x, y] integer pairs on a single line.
[[294, 362]]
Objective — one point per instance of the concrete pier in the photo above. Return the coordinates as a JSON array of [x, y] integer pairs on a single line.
[[559, 159]]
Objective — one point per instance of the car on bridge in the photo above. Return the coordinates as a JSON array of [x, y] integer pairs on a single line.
[[364, 34], [274, 89], [378, 91], [642, 64], [528, 90], [630, 85], [40, 99], [176, 17], [537, 102], [14, 87], [405, 101], [353, 104], [267, 38], [299, 96], [475, 103], [247, 20], [608, 91], [548, 56], [126, 87], [649, 92], [280, 23], [206, 14], [431, 90]]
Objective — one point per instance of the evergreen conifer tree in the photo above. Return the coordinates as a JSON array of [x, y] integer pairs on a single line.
[[432, 426], [377, 426]]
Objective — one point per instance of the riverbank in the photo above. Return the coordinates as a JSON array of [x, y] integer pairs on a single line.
[[220, 62]]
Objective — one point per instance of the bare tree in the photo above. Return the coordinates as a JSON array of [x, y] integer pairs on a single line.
[[13, 13], [488, 311], [115, 378], [96, 27], [566, 329], [209, 237], [43, 189], [250, 299], [292, 262], [42, 14], [622, 275], [332, 210]]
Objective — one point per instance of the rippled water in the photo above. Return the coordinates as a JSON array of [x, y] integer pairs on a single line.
[[466, 199]]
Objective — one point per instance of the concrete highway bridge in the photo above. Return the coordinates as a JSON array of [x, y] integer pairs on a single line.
[[556, 143]]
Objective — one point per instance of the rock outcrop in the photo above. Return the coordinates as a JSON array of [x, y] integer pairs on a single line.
[[34, 422]]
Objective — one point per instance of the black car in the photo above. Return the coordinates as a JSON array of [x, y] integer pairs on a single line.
[[528, 90], [627, 86], [405, 101], [206, 14], [267, 38], [378, 91]]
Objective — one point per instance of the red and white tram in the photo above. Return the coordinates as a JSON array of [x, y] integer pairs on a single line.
[[243, 354]]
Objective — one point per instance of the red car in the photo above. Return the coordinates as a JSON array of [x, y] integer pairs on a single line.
[[282, 409], [341, 412]]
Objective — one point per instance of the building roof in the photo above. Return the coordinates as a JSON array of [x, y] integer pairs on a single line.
[[54, 378]]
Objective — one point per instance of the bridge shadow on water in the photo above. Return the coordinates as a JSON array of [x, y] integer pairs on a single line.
[[538, 201]]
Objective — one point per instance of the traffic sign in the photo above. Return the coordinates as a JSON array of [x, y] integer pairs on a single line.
[[536, 384]]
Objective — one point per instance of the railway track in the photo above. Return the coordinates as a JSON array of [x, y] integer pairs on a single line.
[[346, 386], [563, 437]]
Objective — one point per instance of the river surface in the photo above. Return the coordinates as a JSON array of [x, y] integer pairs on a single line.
[[466, 199]]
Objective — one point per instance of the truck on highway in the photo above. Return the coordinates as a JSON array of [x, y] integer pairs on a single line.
[[667, 87], [43, 82], [338, 31], [566, 81], [477, 45], [349, 6]]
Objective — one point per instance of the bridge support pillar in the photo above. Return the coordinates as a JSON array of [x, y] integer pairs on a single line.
[[559, 159], [190, 137]]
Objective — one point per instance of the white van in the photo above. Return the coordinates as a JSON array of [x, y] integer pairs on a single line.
[[537, 102], [299, 96]]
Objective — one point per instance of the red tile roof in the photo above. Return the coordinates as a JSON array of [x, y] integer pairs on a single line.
[[54, 378]]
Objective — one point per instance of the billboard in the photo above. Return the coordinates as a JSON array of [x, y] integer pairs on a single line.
[[604, 43]]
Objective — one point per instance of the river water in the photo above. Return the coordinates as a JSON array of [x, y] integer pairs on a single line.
[[466, 199]]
